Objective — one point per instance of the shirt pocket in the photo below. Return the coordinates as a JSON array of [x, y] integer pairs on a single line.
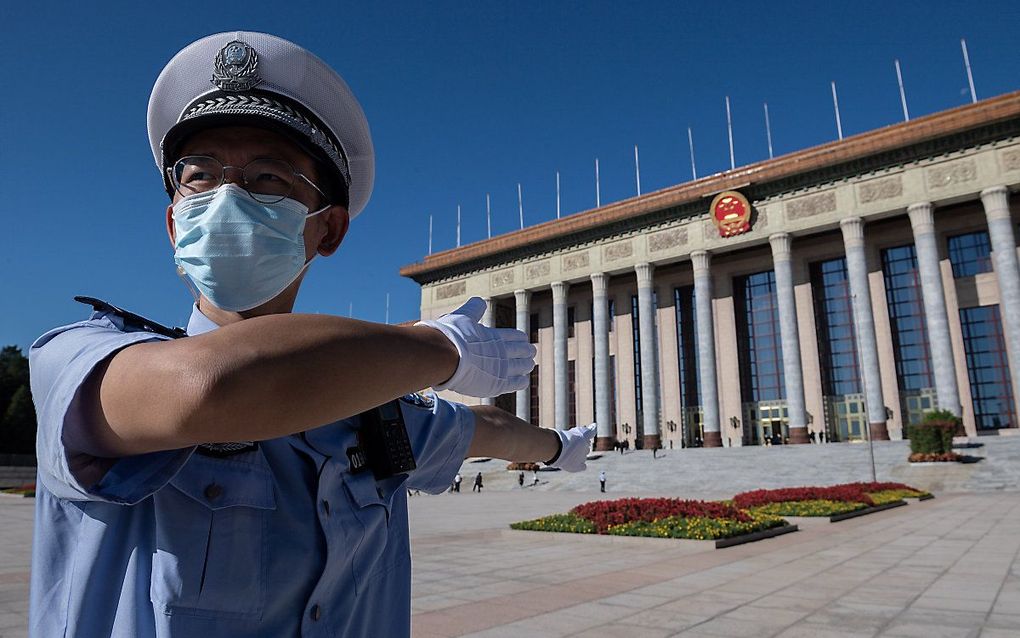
[[211, 537], [381, 543]]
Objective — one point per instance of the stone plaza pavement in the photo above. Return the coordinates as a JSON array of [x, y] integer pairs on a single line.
[[946, 567]]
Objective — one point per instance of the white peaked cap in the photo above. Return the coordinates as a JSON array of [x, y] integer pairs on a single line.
[[241, 77]]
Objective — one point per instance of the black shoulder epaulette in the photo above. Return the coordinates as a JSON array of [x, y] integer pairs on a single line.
[[131, 320]]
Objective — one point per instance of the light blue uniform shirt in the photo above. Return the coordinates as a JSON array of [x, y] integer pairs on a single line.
[[280, 541]]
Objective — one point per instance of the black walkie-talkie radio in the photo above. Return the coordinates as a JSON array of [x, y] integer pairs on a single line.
[[383, 440]]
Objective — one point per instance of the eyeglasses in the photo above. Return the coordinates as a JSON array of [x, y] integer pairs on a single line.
[[266, 180]]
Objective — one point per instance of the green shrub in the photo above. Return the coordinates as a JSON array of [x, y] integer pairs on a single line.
[[935, 434]]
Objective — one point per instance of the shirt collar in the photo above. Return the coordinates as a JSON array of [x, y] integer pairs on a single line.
[[199, 323]]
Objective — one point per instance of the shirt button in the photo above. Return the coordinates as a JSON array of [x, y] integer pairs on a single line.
[[316, 612], [325, 506], [213, 491]]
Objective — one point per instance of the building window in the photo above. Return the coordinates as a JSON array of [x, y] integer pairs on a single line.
[[570, 321], [909, 332], [758, 337], [612, 389], [837, 347], [535, 393], [687, 346], [533, 327], [635, 324], [987, 367], [609, 319], [970, 254], [572, 385]]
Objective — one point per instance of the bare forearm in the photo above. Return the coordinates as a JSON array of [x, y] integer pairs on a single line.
[[501, 435], [264, 377]]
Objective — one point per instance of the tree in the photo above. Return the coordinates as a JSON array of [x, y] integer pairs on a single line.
[[13, 374], [19, 424], [17, 413]]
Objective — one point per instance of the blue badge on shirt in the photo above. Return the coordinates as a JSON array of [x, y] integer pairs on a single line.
[[419, 400]]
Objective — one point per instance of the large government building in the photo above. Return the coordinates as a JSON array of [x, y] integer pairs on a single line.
[[834, 293]]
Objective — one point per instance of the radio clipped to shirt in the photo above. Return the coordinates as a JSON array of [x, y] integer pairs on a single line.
[[383, 444]]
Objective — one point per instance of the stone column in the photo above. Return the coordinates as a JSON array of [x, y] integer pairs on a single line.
[[792, 371], [649, 355], [706, 347], [562, 392], [523, 297], [487, 321], [606, 433], [937, 320], [1000, 230], [864, 325]]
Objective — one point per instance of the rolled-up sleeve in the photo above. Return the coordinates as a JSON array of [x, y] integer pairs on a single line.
[[60, 363], [440, 434]]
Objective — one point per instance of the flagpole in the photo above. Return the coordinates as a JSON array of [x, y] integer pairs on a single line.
[[458, 225], [387, 308], [430, 234], [598, 194], [903, 94], [350, 310], [835, 106], [729, 130], [557, 194], [637, 170], [488, 215], [520, 204], [768, 128], [970, 76], [690, 143]]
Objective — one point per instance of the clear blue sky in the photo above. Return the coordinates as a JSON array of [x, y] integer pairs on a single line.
[[463, 99]]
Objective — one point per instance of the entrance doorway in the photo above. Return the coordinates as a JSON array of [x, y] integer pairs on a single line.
[[766, 423]]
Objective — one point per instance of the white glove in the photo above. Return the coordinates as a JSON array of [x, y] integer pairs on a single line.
[[575, 444], [493, 361]]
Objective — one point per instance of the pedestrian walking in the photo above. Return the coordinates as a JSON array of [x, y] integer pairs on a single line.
[[477, 487], [520, 479], [456, 482], [602, 480]]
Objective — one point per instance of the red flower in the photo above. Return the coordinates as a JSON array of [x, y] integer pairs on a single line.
[[606, 513]]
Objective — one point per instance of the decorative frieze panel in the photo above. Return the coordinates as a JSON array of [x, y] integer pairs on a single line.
[[667, 239], [951, 174], [618, 251], [447, 291], [811, 205], [537, 270], [574, 261], [1010, 159], [879, 189], [502, 278]]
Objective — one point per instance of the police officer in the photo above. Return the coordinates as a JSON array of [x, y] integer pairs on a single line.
[[235, 482]]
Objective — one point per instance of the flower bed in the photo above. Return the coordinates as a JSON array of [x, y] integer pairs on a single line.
[[27, 490], [825, 501], [656, 517], [814, 507], [847, 493], [934, 457]]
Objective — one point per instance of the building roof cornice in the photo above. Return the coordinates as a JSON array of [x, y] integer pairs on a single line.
[[873, 150]]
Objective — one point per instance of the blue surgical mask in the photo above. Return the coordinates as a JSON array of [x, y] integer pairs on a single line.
[[239, 253]]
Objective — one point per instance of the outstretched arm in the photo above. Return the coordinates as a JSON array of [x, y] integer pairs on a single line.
[[502, 435]]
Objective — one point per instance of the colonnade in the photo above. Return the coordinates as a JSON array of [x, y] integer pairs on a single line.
[[1001, 232]]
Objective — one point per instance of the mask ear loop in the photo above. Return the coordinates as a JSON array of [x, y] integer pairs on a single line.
[[188, 284]]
